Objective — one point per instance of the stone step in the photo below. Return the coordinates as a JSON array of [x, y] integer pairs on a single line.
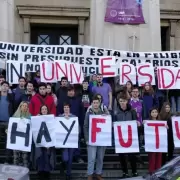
[[81, 174]]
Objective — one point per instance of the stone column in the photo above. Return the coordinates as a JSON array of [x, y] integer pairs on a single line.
[[27, 29], [173, 25], [81, 31], [4, 20]]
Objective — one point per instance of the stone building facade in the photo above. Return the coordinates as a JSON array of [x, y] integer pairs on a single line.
[[82, 22]]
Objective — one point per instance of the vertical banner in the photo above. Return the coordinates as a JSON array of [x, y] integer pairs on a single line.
[[107, 66], [67, 132], [155, 136], [127, 72], [126, 137], [14, 70], [19, 134], [145, 74], [43, 130], [124, 12], [100, 130], [48, 71], [167, 77], [176, 131]]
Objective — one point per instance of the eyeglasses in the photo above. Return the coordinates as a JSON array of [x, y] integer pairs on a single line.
[[135, 91]]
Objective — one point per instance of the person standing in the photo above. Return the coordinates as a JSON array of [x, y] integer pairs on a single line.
[[42, 98], [68, 153], [29, 92], [23, 113], [19, 91], [149, 98], [95, 153], [44, 157], [165, 114], [6, 111], [50, 92], [105, 90], [124, 112]]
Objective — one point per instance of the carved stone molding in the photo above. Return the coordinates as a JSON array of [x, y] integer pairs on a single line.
[[170, 14]]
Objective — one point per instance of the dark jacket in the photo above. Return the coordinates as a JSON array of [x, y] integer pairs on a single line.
[[76, 107], [125, 115], [10, 98]]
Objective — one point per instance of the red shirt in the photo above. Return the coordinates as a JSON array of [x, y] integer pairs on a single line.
[[37, 101]]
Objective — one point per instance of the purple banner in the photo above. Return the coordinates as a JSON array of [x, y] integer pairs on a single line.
[[124, 12]]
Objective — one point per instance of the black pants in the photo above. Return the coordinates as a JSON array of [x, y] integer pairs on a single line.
[[3, 137], [124, 164]]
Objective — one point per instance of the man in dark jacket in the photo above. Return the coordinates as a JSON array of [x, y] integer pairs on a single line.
[[20, 90], [6, 111], [77, 109], [124, 112]]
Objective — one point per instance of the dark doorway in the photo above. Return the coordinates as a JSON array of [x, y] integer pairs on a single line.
[[54, 35], [165, 38]]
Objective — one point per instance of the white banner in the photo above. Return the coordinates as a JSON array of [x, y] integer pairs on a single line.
[[67, 132], [145, 73], [100, 130], [19, 134], [155, 136], [127, 72], [176, 131], [43, 130], [87, 56], [126, 137]]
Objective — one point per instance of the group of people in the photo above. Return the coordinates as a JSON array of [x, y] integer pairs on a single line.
[[94, 96]]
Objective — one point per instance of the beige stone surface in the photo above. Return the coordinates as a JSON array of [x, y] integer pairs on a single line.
[[96, 31]]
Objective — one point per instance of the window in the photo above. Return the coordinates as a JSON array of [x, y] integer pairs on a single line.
[[43, 39], [65, 40]]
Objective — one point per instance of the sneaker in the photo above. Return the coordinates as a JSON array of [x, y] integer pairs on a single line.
[[125, 175], [80, 161], [135, 174]]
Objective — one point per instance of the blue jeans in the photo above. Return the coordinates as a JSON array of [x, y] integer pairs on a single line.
[[175, 104], [67, 156], [95, 154]]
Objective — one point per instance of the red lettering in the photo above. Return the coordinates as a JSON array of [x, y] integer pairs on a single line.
[[72, 69], [159, 78], [44, 70], [103, 67], [121, 140], [63, 71], [145, 74], [95, 129], [162, 76], [156, 125], [178, 75], [124, 74], [177, 129]]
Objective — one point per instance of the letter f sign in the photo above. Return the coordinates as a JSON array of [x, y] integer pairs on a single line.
[[95, 129]]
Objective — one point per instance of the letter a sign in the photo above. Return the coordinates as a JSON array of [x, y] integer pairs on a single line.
[[126, 137]]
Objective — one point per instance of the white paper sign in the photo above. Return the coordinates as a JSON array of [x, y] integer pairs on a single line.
[[155, 136], [126, 137], [176, 131], [100, 130], [46, 122], [19, 134], [67, 132], [145, 74], [127, 72]]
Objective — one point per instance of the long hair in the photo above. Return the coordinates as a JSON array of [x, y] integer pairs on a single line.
[[154, 108], [163, 114], [150, 91], [41, 109], [19, 112]]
